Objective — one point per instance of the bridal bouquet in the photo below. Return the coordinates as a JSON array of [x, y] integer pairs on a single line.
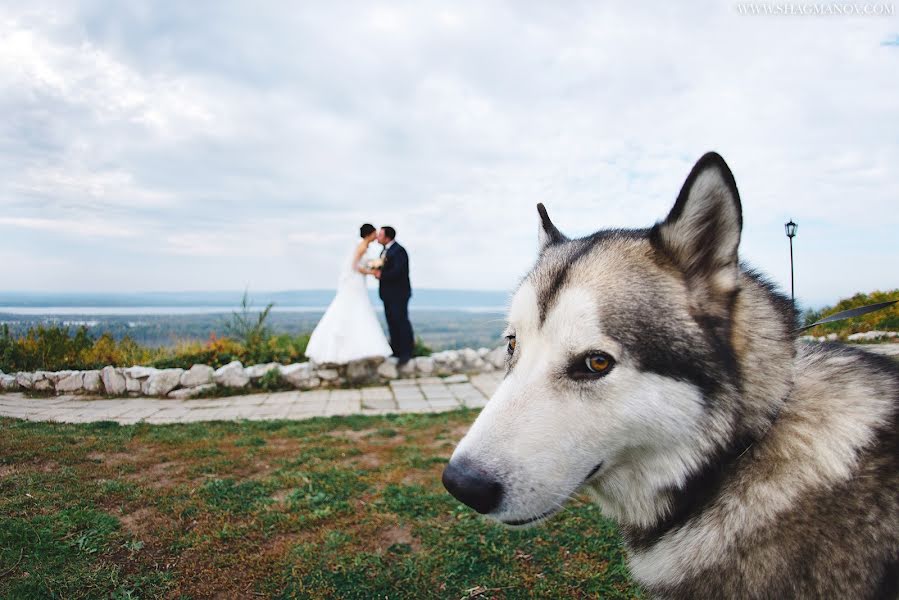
[[375, 263]]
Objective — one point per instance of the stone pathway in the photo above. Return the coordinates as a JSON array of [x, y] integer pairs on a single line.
[[429, 394]]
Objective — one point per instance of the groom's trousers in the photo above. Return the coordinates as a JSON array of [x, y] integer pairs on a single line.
[[402, 339]]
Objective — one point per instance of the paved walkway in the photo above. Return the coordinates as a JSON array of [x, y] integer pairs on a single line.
[[431, 394]]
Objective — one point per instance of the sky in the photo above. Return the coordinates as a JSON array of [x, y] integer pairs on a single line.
[[175, 146]]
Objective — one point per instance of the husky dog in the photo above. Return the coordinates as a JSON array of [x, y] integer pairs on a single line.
[[651, 369]]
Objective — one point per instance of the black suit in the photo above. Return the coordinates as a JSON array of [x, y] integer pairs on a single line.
[[395, 291]]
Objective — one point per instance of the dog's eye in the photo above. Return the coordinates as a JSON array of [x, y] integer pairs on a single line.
[[511, 339], [599, 363]]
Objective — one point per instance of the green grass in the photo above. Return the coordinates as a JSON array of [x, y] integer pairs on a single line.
[[347, 507]]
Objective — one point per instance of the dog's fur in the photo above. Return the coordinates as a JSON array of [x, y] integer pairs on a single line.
[[738, 462]]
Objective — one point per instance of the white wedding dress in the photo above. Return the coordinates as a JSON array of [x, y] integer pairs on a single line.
[[349, 329]]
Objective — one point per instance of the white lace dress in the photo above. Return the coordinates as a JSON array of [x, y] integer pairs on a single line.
[[349, 329]]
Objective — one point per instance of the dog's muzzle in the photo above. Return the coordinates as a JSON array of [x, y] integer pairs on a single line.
[[472, 486]]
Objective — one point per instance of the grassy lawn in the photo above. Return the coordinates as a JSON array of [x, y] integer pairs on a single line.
[[344, 508]]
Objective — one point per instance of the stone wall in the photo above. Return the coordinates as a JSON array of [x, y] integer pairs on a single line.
[[200, 379]]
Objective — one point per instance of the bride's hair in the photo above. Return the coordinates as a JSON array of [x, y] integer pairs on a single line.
[[366, 230]]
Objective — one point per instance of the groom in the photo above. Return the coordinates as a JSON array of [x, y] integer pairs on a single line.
[[395, 291]]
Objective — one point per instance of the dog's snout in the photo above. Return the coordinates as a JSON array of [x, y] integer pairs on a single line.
[[472, 486]]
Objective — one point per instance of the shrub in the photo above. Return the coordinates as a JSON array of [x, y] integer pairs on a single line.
[[421, 349], [881, 320]]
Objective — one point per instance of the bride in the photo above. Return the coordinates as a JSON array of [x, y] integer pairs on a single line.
[[349, 330]]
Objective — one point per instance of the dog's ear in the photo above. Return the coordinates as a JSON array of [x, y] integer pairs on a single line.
[[702, 232], [547, 234]]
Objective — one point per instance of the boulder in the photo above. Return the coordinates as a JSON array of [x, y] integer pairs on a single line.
[[8, 383], [139, 372], [870, 336], [327, 374], [133, 385], [73, 382], [300, 375], [424, 364], [388, 370], [469, 357], [42, 385], [113, 381], [57, 376], [456, 379], [497, 357], [231, 375], [255, 372], [91, 381], [483, 352], [407, 369], [190, 392], [25, 380], [362, 371], [163, 381], [196, 376]]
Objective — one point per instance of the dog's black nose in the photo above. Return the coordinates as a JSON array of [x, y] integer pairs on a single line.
[[472, 486]]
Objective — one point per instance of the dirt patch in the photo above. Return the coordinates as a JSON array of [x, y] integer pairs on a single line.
[[144, 521], [365, 461], [158, 475], [352, 434], [7, 470], [396, 535], [48, 466], [112, 459]]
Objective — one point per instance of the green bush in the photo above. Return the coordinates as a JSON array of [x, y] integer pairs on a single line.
[[881, 320], [54, 348], [421, 349]]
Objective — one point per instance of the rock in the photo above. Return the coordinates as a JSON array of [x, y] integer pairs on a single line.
[[870, 336], [469, 357], [483, 352], [57, 376], [190, 392], [361, 371], [164, 381], [497, 357], [196, 376], [113, 381], [407, 369], [809, 338], [42, 385], [91, 381], [8, 383], [424, 365], [255, 372], [456, 379], [388, 370], [300, 375], [133, 385], [296, 371], [73, 382], [327, 374], [231, 375], [832, 337], [25, 380], [138, 372]]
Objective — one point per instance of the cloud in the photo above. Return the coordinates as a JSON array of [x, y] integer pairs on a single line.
[[246, 144], [69, 228]]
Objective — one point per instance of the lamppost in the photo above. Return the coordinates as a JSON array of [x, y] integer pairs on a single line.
[[791, 228]]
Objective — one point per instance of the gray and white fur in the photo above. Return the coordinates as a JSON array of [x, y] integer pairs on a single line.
[[654, 371]]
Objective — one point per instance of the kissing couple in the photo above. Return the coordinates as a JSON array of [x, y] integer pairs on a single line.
[[349, 329]]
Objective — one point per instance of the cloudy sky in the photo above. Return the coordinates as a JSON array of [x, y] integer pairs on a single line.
[[157, 146]]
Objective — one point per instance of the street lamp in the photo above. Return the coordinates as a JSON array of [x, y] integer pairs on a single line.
[[791, 228]]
